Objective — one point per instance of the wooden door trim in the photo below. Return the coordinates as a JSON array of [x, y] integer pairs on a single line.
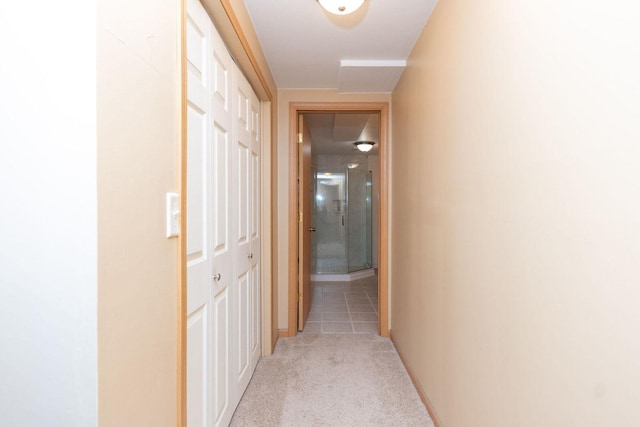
[[382, 108], [182, 238]]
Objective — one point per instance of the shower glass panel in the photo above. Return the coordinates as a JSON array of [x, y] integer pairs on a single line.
[[359, 219], [314, 210], [369, 229], [329, 243], [342, 218]]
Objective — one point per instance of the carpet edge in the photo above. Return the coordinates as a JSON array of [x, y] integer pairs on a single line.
[[423, 396]]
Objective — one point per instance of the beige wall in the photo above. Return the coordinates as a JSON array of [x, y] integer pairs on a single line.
[[515, 217], [138, 104], [285, 97]]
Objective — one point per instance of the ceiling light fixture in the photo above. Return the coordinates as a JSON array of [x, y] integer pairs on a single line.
[[341, 7], [364, 146]]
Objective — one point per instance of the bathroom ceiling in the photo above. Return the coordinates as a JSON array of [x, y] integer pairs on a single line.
[[336, 133], [308, 48]]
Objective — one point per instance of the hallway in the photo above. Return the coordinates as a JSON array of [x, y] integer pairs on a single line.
[[331, 380], [512, 232]]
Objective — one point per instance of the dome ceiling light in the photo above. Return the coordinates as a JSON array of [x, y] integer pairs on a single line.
[[364, 146], [341, 7]]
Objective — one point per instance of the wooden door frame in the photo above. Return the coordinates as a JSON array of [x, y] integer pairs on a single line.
[[381, 108]]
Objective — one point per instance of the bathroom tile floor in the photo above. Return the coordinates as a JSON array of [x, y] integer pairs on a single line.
[[344, 307]]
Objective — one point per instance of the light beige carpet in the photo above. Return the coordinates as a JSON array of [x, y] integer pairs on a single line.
[[331, 380]]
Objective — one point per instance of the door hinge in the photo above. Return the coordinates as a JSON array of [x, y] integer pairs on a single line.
[[299, 137], [298, 296], [299, 216]]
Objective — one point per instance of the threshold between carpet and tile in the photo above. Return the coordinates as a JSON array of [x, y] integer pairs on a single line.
[[331, 379]]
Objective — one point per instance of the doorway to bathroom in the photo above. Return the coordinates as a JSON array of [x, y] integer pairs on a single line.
[[344, 196], [340, 281]]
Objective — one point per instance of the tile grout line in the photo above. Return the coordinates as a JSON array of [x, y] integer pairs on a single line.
[[371, 302], [375, 309], [353, 329], [322, 317], [322, 311]]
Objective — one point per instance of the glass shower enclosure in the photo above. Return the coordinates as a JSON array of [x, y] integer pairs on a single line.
[[342, 217]]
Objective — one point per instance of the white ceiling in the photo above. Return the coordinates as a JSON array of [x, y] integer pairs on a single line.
[[309, 48], [336, 133]]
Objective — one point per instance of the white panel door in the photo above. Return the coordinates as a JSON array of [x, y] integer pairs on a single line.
[[199, 261], [255, 232], [225, 396], [241, 232]]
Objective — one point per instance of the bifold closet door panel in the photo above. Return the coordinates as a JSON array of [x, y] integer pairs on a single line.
[[224, 394], [199, 256], [254, 229], [223, 236], [242, 256]]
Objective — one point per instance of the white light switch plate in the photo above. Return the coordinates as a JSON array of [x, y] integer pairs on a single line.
[[173, 214]]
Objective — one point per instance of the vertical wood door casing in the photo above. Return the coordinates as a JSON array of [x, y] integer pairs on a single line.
[[223, 180], [182, 361], [304, 236], [295, 108]]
